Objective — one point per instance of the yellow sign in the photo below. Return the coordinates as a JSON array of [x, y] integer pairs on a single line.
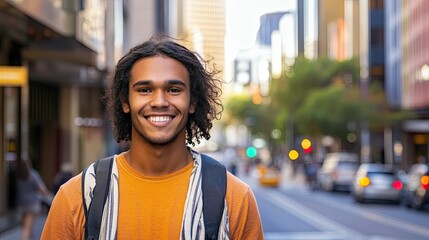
[[13, 76]]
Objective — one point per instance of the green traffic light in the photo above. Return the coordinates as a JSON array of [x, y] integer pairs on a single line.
[[251, 152]]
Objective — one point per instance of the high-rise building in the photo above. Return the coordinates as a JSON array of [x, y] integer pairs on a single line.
[[393, 53], [139, 21], [329, 18], [407, 74], [204, 27], [338, 29], [416, 45], [268, 23]]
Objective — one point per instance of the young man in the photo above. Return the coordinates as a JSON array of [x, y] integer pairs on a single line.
[[162, 99]]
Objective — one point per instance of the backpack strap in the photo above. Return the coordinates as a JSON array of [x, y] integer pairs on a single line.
[[94, 214], [214, 191]]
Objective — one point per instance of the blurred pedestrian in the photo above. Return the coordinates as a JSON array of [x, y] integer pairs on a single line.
[[421, 159], [311, 167], [62, 176], [30, 190], [233, 168]]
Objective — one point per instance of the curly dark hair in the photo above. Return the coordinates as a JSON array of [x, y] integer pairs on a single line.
[[205, 88]]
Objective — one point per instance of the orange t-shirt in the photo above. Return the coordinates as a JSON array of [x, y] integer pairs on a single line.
[[150, 207]]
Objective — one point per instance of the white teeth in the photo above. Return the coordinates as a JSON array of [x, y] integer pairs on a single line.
[[159, 119]]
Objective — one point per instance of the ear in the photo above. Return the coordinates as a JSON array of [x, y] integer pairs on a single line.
[[125, 106], [192, 107]]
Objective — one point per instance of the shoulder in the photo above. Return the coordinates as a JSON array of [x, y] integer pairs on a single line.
[[66, 217], [243, 213], [71, 191], [236, 187], [72, 183]]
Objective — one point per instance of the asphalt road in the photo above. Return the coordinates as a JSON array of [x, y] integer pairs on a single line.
[[293, 211]]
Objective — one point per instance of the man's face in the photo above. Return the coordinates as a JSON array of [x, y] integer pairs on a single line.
[[159, 100]]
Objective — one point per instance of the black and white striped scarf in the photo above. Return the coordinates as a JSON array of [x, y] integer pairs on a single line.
[[193, 219]]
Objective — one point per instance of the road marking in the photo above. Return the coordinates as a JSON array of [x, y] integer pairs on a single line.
[[302, 236], [314, 236], [415, 229], [383, 219], [312, 217]]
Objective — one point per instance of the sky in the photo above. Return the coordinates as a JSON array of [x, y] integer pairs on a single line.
[[242, 20]]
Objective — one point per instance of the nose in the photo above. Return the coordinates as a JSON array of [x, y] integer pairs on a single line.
[[159, 99]]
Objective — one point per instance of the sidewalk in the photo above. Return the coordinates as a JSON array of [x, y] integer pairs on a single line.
[[15, 233], [8, 221], [288, 178]]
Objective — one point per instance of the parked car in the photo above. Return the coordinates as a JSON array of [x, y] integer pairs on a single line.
[[337, 171], [416, 191], [376, 182]]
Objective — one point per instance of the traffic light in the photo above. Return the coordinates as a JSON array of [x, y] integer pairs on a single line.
[[251, 152], [293, 155], [306, 145]]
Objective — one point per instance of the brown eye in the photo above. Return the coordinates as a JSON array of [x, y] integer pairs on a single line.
[[143, 90], [174, 90]]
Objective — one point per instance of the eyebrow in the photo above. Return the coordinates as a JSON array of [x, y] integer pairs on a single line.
[[169, 82]]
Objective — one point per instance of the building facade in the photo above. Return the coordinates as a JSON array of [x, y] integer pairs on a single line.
[[53, 68], [204, 27], [407, 80]]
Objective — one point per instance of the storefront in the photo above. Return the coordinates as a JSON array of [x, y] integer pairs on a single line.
[[51, 77], [416, 140], [13, 82]]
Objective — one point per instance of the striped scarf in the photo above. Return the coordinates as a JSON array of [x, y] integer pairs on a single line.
[[192, 221]]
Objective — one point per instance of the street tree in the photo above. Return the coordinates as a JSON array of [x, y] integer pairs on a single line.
[[240, 108], [324, 97]]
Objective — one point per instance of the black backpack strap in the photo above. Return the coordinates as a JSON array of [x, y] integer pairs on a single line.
[[102, 169], [214, 191]]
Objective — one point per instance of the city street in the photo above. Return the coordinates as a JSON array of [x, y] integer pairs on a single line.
[[293, 211], [280, 92]]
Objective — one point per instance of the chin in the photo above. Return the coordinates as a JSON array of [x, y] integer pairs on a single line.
[[160, 140]]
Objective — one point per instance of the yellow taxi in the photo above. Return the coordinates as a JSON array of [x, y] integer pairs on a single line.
[[268, 175]]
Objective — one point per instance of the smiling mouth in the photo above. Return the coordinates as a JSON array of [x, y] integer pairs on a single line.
[[159, 119]]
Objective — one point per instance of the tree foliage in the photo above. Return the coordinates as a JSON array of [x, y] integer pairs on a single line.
[[324, 97], [321, 97], [240, 108]]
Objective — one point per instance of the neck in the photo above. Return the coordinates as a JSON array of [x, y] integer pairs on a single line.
[[158, 160]]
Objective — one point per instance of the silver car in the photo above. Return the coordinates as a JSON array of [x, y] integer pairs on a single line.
[[337, 171], [376, 182]]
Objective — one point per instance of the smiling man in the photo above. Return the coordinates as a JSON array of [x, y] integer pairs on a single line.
[[162, 100]]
